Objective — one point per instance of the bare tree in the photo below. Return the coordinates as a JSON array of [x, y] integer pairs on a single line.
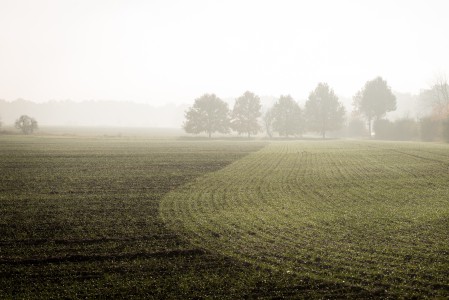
[[440, 96]]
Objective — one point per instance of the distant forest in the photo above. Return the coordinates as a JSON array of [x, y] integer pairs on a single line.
[[93, 113]]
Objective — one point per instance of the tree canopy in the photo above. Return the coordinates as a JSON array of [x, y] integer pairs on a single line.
[[375, 100], [208, 114], [26, 124], [287, 117], [246, 113], [323, 111]]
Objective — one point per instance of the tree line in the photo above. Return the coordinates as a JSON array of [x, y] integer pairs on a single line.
[[322, 113]]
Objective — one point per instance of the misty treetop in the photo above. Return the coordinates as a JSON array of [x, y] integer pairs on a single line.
[[287, 117], [208, 114], [246, 113], [323, 111], [26, 124], [374, 100]]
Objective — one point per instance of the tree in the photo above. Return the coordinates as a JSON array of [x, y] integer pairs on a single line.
[[437, 98], [246, 113], [375, 100], [440, 91], [287, 117], [208, 114], [26, 124], [268, 122], [323, 111]]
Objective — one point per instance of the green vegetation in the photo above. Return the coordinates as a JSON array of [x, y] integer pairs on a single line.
[[83, 217], [372, 217]]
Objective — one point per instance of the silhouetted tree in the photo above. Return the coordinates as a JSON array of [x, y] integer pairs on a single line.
[[246, 113], [26, 124], [323, 111], [208, 114], [287, 117], [375, 100]]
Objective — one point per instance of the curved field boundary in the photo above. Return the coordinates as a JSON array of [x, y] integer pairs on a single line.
[[365, 214]]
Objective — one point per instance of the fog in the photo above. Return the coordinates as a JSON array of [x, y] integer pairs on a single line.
[[141, 63]]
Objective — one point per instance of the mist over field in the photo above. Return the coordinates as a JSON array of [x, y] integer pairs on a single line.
[[132, 114], [95, 113], [240, 149]]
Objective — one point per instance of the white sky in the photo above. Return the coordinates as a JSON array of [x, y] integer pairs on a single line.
[[174, 51]]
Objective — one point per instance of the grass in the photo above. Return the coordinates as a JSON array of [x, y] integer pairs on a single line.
[[164, 218], [368, 216]]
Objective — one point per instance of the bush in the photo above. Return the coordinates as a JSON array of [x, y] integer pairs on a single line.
[[445, 129], [356, 128], [405, 130], [401, 130], [430, 129]]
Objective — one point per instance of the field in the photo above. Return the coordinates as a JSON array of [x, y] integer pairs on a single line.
[[180, 218]]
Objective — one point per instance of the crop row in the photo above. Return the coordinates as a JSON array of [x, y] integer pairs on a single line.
[[364, 214]]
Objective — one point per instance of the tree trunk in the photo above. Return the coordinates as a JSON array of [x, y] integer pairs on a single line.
[[210, 134], [249, 135], [369, 127], [324, 135]]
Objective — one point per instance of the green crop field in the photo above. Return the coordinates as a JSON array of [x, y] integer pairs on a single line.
[[371, 216], [181, 218]]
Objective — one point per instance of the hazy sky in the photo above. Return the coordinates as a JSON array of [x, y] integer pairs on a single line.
[[174, 51]]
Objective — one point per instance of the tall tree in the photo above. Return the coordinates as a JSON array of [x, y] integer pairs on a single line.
[[374, 100], [246, 113], [26, 124], [287, 117], [323, 111], [208, 114]]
